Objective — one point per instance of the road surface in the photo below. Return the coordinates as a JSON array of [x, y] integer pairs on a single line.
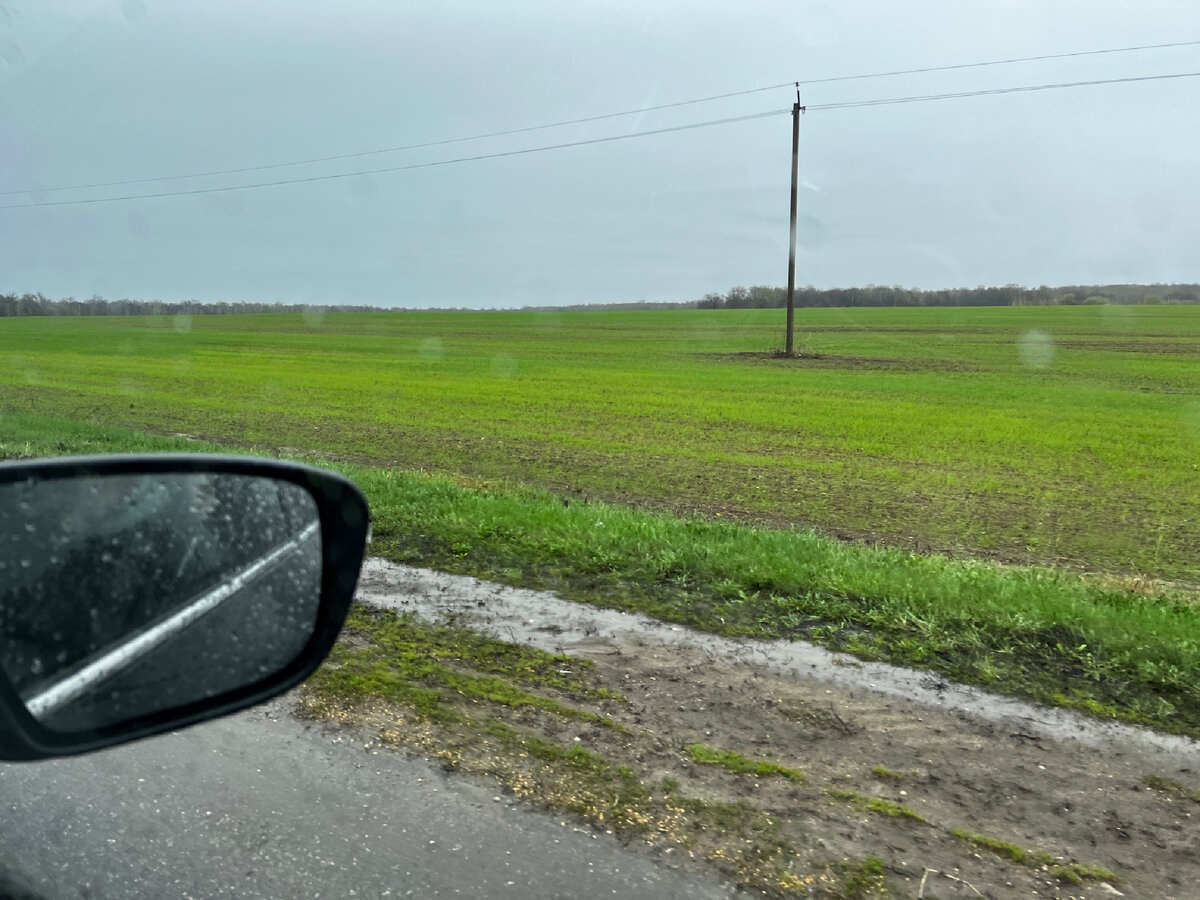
[[260, 805]]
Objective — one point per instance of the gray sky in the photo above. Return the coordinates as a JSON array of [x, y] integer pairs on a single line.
[[1093, 184]]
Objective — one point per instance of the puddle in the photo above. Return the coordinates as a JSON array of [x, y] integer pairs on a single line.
[[543, 620]]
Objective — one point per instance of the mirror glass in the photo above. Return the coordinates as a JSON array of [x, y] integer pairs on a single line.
[[122, 595]]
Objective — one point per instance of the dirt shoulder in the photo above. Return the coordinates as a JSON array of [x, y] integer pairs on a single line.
[[841, 779]]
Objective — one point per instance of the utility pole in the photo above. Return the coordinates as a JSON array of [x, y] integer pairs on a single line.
[[791, 294]]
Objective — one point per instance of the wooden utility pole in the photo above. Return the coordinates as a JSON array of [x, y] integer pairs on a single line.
[[791, 295]]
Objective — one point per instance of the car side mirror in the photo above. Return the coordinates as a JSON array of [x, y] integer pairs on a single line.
[[140, 594]]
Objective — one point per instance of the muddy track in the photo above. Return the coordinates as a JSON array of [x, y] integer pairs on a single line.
[[1046, 780]]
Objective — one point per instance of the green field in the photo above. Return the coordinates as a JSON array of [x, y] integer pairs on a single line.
[[1089, 450], [1065, 436]]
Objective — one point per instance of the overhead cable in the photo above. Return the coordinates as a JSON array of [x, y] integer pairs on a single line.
[[885, 101], [603, 116], [424, 165]]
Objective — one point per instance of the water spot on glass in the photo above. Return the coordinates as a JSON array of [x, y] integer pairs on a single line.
[[1155, 212], [225, 203], [11, 54], [314, 316], [363, 188], [1191, 421], [106, 557], [182, 323], [811, 232], [1036, 349], [503, 365], [431, 349], [546, 322], [1117, 316], [60, 657], [35, 666], [26, 563], [138, 225], [30, 527], [132, 9]]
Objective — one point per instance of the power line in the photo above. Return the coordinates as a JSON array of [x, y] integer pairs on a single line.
[[995, 62], [885, 101], [604, 116], [424, 165]]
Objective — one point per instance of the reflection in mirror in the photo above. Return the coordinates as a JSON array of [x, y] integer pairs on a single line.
[[124, 595]]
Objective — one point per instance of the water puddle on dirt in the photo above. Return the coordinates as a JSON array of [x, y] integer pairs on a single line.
[[550, 623]]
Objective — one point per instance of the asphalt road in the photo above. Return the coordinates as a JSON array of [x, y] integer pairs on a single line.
[[259, 805]]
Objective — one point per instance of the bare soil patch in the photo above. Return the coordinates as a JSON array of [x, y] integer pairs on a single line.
[[897, 770]]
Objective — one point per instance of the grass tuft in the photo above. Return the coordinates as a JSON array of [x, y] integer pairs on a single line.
[[1171, 788], [874, 804], [741, 765]]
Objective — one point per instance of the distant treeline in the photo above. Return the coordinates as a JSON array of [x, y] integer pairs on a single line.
[[757, 297], [765, 297], [39, 305]]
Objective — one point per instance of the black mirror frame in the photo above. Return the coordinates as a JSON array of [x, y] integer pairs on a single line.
[[345, 523]]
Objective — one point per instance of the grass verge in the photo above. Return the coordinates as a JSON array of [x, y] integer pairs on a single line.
[[395, 656]]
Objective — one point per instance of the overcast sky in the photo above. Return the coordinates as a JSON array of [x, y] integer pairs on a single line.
[[1087, 185]]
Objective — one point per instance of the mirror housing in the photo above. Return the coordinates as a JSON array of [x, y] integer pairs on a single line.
[[288, 552]]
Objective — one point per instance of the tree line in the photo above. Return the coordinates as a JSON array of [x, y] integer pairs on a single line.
[[757, 297], [767, 297], [37, 304]]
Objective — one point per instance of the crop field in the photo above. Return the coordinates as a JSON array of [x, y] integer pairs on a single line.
[[666, 462], [1061, 436]]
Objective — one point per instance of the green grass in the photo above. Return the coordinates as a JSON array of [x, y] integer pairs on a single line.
[[1030, 632], [918, 427], [740, 765], [1006, 849], [874, 804], [1171, 788], [1073, 873], [433, 668], [864, 878]]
